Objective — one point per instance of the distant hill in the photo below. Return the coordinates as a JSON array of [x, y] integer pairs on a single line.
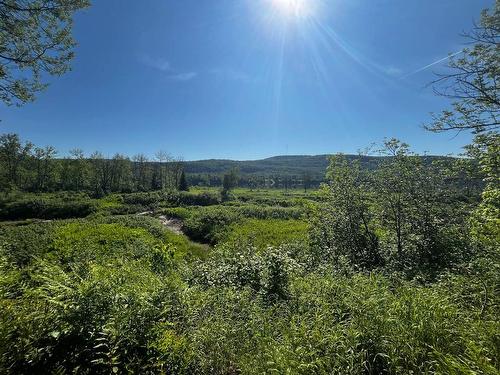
[[292, 167], [277, 165], [280, 165]]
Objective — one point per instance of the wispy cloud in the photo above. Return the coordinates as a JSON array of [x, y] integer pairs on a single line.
[[165, 67], [188, 76], [432, 64], [156, 63], [392, 71]]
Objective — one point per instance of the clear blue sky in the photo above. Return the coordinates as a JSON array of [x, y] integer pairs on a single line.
[[245, 79]]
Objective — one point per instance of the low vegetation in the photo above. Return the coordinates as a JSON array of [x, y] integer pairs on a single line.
[[332, 281]]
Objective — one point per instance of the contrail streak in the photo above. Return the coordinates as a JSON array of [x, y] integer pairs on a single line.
[[430, 65]]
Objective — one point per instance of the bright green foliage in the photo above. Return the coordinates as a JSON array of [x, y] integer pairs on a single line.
[[378, 273], [211, 224], [486, 218], [116, 294], [266, 273], [330, 324], [270, 232], [400, 217], [341, 228]]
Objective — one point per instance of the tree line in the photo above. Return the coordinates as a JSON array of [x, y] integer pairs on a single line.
[[305, 180], [29, 168], [26, 167]]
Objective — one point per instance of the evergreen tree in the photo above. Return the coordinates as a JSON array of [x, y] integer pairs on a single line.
[[183, 185]]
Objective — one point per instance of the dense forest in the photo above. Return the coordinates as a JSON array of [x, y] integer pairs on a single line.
[[386, 264]]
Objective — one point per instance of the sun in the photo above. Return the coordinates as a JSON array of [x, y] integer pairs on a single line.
[[293, 8]]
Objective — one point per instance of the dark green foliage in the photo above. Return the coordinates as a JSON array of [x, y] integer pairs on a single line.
[[472, 84], [209, 225], [183, 185], [54, 207], [24, 242], [295, 172], [229, 182], [171, 199], [35, 169], [13, 157]]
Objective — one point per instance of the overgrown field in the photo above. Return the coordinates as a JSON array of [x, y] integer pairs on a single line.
[[103, 286]]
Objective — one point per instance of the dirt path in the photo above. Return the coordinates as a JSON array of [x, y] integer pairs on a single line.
[[173, 225]]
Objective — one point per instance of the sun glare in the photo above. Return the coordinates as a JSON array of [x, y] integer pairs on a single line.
[[293, 8]]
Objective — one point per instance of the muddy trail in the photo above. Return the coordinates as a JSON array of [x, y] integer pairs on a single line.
[[173, 225]]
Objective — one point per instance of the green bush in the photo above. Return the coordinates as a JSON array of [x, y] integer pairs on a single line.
[[122, 294], [264, 233], [183, 247], [237, 312], [172, 198], [266, 273], [43, 208], [23, 243], [270, 212], [212, 224], [208, 225]]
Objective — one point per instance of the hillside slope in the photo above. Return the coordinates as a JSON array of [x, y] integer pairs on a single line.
[[292, 165]]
